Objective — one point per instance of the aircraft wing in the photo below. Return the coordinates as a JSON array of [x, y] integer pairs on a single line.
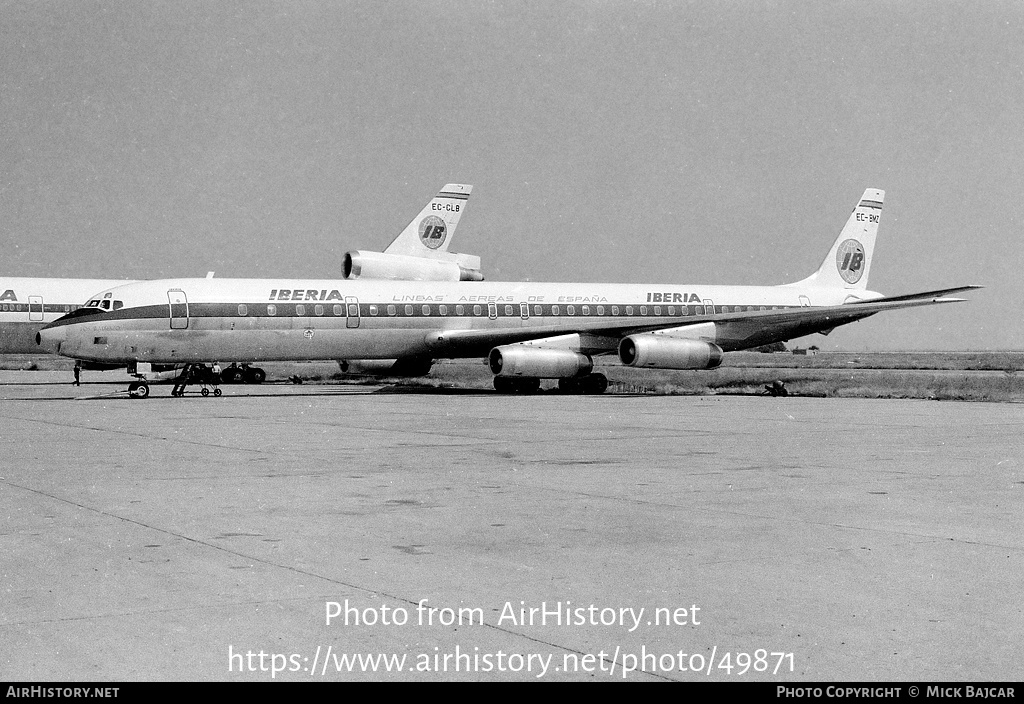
[[750, 326]]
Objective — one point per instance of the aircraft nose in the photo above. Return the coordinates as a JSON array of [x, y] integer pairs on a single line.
[[50, 339]]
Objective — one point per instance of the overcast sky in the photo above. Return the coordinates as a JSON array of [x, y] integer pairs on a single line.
[[668, 142]]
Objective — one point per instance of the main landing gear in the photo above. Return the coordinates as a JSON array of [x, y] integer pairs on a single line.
[[243, 374], [589, 384]]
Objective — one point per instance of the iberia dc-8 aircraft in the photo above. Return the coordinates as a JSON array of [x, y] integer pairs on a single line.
[[527, 331]]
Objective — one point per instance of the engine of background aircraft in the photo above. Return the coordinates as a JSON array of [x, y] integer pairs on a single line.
[[662, 352], [526, 361], [399, 267]]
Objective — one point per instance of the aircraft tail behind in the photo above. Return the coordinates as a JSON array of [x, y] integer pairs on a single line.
[[431, 231], [420, 252], [849, 261]]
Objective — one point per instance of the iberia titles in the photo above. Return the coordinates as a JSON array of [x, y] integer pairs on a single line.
[[287, 294], [672, 297]]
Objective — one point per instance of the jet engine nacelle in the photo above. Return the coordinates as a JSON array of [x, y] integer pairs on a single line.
[[407, 366], [522, 360], [662, 352], [400, 267]]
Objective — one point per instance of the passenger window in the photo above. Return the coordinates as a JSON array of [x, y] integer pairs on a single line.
[[271, 309], [408, 310], [643, 310], [671, 310], [537, 310], [391, 310], [477, 310], [600, 310], [586, 310], [460, 310], [319, 309], [426, 310], [508, 310], [554, 310], [338, 310], [615, 310], [242, 309], [300, 309], [442, 310], [571, 310], [629, 310]]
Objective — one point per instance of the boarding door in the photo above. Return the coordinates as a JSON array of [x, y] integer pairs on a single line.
[[805, 301], [35, 308], [352, 310], [178, 305]]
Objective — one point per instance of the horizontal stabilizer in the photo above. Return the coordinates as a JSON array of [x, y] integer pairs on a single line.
[[940, 293]]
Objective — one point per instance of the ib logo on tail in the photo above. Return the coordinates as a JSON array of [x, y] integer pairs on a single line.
[[850, 261], [432, 231]]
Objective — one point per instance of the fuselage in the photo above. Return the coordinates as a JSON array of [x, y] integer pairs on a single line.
[[194, 320], [28, 304]]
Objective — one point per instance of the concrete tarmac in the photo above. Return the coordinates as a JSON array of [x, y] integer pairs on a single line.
[[473, 536]]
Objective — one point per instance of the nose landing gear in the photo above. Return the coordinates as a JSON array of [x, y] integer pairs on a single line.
[[138, 389]]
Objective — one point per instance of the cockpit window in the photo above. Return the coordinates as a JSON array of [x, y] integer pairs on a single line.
[[105, 305], [94, 303], [118, 305]]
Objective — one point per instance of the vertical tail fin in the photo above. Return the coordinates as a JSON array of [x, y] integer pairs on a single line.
[[431, 231], [849, 261]]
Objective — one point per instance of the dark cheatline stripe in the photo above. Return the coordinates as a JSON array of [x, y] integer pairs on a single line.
[[458, 196], [871, 204], [340, 310]]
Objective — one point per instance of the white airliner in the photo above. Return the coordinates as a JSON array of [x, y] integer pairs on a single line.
[[420, 252], [528, 331]]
